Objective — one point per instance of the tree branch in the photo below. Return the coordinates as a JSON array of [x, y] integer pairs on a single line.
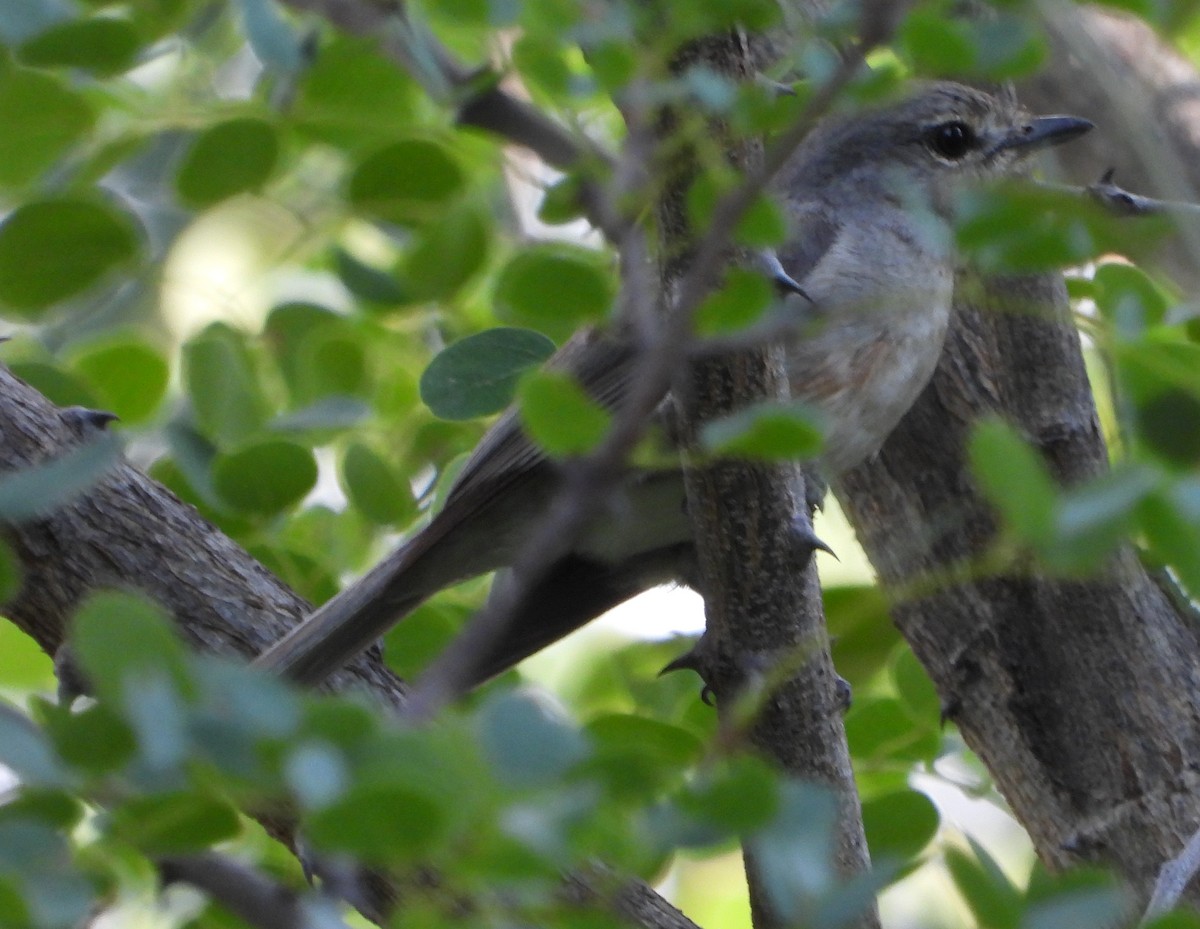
[[249, 894]]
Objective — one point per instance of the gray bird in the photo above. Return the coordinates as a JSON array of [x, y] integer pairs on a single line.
[[869, 200]]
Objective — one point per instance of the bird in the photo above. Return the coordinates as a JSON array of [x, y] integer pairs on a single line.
[[869, 200]]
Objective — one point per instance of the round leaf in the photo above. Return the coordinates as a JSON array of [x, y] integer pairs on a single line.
[[448, 253], [54, 249], [769, 431], [899, 824], [553, 289], [41, 118], [559, 415], [373, 488], [104, 45], [128, 377], [172, 823], [407, 182], [379, 824], [227, 159], [265, 477], [527, 742], [478, 375]]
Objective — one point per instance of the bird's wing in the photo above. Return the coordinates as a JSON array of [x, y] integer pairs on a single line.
[[603, 365]]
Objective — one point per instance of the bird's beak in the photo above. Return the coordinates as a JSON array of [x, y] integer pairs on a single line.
[[1042, 132]]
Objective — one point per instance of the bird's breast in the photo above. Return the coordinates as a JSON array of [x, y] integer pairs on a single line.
[[872, 358]]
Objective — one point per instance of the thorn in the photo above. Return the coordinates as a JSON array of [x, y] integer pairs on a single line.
[[71, 682], [775, 271], [688, 661], [949, 709], [843, 694], [308, 861], [808, 541], [693, 660], [82, 416]]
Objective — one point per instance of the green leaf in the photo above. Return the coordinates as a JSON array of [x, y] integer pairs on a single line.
[[879, 729], [412, 644], [175, 823], [637, 756], [937, 44], [120, 640], [128, 376], [1169, 424], [527, 742], [863, 634], [916, 690], [407, 182], [229, 158], [23, 666], [25, 750], [1085, 900], [275, 42], [223, 386], [36, 860], [990, 895], [738, 303], [104, 45], [1013, 227], [900, 824], [740, 795], [265, 478], [42, 488], [1095, 516], [350, 95], [795, 852], [554, 289], [42, 119], [562, 201], [768, 431], [335, 413], [373, 488], [763, 224], [52, 806], [55, 248], [478, 375], [95, 739], [559, 415], [447, 253], [381, 824], [60, 387], [367, 283], [330, 362], [1128, 299], [1015, 480]]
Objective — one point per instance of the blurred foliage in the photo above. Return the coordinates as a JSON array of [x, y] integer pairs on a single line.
[[301, 285]]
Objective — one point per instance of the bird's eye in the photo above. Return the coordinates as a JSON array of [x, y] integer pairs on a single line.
[[951, 140]]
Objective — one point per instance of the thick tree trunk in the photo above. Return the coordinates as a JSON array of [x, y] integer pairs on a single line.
[[1082, 697]]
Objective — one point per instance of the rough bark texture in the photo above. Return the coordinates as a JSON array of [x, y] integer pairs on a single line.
[[763, 610], [1081, 697], [762, 613], [129, 532]]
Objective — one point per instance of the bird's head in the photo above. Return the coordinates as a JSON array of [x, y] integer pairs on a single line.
[[938, 137]]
